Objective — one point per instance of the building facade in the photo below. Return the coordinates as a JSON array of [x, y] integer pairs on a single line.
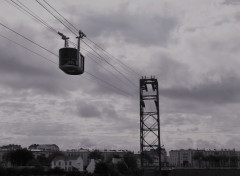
[[68, 163], [204, 158], [83, 153]]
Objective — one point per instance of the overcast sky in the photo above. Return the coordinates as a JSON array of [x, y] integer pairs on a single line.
[[191, 46]]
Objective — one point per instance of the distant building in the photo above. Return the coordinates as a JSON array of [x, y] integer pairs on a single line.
[[204, 158], [109, 154], [68, 163], [44, 147], [10, 147], [83, 153], [40, 153], [181, 158]]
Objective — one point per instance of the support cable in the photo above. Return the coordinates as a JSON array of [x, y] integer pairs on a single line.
[[95, 60], [28, 49], [95, 77], [26, 9], [77, 30], [60, 15], [129, 68], [31, 13], [28, 39], [56, 17], [110, 64], [86, 43]]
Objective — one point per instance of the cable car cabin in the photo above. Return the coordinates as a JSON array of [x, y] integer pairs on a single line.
[[70, 62]]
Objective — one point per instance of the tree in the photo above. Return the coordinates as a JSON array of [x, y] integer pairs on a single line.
[[43, 160], [19, 157], [122, 167], [147, 157], [101, 168], [199, 157], [55, 154], [233, 161], [130, 160], [96, 154]]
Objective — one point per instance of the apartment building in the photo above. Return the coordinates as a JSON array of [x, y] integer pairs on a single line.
[[204, 158]]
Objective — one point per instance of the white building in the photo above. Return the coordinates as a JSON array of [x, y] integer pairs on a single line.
[[83, 153], [109, 154], [68, 163]]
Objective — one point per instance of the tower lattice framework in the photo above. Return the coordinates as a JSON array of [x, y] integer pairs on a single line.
[[149, 124]]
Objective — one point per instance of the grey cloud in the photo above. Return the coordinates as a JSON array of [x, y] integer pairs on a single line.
[[17, 105], [110, 81], [185, 144], [22, 70], [130, 27], [32, 129], [110, 112], [87, 143], [170, 71], [180, 119], [204, 144], [237, 16], [232, 142], [224, 91], [231, 2], [89, 110]]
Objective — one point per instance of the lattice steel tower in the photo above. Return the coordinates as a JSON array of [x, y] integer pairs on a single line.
[[149, 124]]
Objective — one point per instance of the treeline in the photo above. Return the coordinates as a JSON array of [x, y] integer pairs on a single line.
[[126, 167], [216, 160], [24, 163], [24, 157]]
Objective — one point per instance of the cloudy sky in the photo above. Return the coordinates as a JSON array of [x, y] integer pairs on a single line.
[[191, 46]]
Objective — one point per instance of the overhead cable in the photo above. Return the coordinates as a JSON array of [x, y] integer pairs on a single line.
[[95, 77], [27, 39], [77, 30], [31, 13], [56, 17], [110, 64]]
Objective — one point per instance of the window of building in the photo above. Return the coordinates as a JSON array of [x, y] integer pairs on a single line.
[[59, 163], [70, 163]]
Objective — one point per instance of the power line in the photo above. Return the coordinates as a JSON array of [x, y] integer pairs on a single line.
[[129, 68], [28, 11], [108, 83], [95, 77], [110, 64], [28, 39], [27, 49], [85, 42], [9, 2], [55, 17], [60, 15], [75, 34], [89, 39], [95, 60]]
